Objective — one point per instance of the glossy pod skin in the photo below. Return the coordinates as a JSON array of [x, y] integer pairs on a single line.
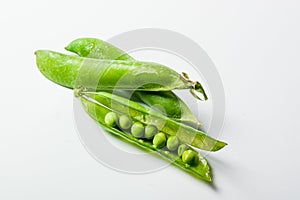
[[169, 104], [166, 102], [94, 74], [95, 48], [138, 112], [98, 112]]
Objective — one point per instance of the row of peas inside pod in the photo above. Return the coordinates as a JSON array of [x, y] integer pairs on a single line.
[[159, 139]]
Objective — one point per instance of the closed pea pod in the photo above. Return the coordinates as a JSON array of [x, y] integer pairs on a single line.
[[94, 74], [170, 105], [95, 48], [165, 101]]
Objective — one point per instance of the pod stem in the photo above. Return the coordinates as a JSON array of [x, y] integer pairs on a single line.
[[196, 88]]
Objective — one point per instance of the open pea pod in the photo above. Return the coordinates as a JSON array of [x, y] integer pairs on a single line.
[[112, 74], [97, 111], [145, 115], [166, 102]]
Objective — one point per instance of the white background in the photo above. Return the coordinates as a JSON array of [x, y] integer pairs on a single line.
[[255, 46]]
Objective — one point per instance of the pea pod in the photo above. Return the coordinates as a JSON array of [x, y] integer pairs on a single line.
[[166, 101], [115, 114], [98, 111], [68, 71], [95, 48], [170, 104], [138, 112]]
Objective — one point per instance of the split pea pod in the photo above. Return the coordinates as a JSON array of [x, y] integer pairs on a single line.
[[140, 113], [94, 74], [166, 102], [99, 111]]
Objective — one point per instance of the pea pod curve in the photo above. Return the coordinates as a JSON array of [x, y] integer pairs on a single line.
[[98, 111], [166, 102], [112, 74], [138, 112]]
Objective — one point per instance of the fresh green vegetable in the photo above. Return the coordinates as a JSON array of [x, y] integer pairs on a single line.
[[98, 111], [137, 130], [172, 143], [198, 165], [189, 157], [166, 102], [124, 122], [181, 149], [95, 74], [95, 48], [150, 131], [159, 140], [170, 105], [120, 116], [145, 115], [111, 119]]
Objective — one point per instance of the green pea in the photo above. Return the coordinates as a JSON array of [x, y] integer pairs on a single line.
[[181, 149], [137, 129], [159, 140], [150, 131], [125, 122], [172, 143], [111, 119], [190, 157]]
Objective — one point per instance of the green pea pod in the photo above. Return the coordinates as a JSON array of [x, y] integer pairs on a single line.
[[166, 101], [95, 48], [68, 71], [169, 104], [98, 111], [145, 115]]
